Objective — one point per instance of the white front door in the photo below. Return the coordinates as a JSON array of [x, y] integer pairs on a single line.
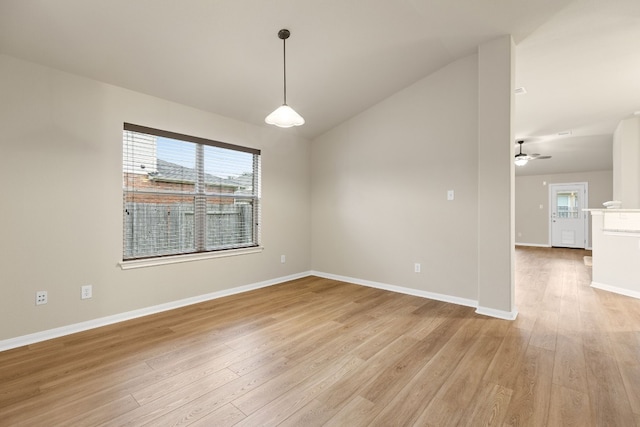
[[568, 226]]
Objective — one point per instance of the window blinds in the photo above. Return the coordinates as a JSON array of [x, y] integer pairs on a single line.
[[184, 194]]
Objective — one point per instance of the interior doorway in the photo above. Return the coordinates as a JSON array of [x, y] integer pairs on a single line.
[[568, 223]]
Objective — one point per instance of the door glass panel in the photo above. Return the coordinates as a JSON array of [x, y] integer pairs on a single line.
[[567, 204]]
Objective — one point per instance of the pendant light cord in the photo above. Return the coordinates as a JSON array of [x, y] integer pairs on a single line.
[[284, 60]]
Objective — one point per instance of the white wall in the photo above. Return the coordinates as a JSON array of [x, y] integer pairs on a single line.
[[626, 163], [532, 222], [61, 216], [496, 109], [379, 188]]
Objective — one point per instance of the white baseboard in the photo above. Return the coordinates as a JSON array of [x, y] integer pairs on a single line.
[[108, 320], [506, 315], [399, 289], [533, 245], [616, 290]]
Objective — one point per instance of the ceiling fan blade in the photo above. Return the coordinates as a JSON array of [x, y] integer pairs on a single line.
[[539, 157]]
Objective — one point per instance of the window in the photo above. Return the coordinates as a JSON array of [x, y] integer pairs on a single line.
[[185, 195], [567, 203]]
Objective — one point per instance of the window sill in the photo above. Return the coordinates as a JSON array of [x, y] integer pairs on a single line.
[[140, 263]]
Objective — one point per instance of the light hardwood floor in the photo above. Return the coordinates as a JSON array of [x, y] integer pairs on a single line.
[[320, 352]]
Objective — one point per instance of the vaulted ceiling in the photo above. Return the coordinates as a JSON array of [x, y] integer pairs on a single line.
[[579, 61]]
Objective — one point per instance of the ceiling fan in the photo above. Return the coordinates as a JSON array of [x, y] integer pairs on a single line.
[[522, 159]]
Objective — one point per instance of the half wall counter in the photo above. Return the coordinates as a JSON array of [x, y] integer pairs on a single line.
[[616, 250]]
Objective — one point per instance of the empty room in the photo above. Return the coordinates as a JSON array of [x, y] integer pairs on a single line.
[[341, 213]]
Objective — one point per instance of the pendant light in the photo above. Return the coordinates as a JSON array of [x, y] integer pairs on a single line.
[[284, 116]]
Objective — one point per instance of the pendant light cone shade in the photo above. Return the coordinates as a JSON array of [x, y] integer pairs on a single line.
[[284, 116]]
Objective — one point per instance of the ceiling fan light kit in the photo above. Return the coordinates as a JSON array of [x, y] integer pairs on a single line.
[[522, 159], [284, 116]]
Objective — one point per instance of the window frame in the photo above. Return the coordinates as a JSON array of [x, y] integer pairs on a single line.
[[199, 195]]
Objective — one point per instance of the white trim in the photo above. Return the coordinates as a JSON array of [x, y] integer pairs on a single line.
[[621, 233], [116, 318], [500, 314], [602, 211], [150, 262], [534, 245], [506, 315], [616, 290], [399, 289]]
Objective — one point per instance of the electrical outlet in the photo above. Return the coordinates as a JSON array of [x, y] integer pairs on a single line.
[[283, 259], [41, 297], [450, 195], [416, 267], [86, 292]]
